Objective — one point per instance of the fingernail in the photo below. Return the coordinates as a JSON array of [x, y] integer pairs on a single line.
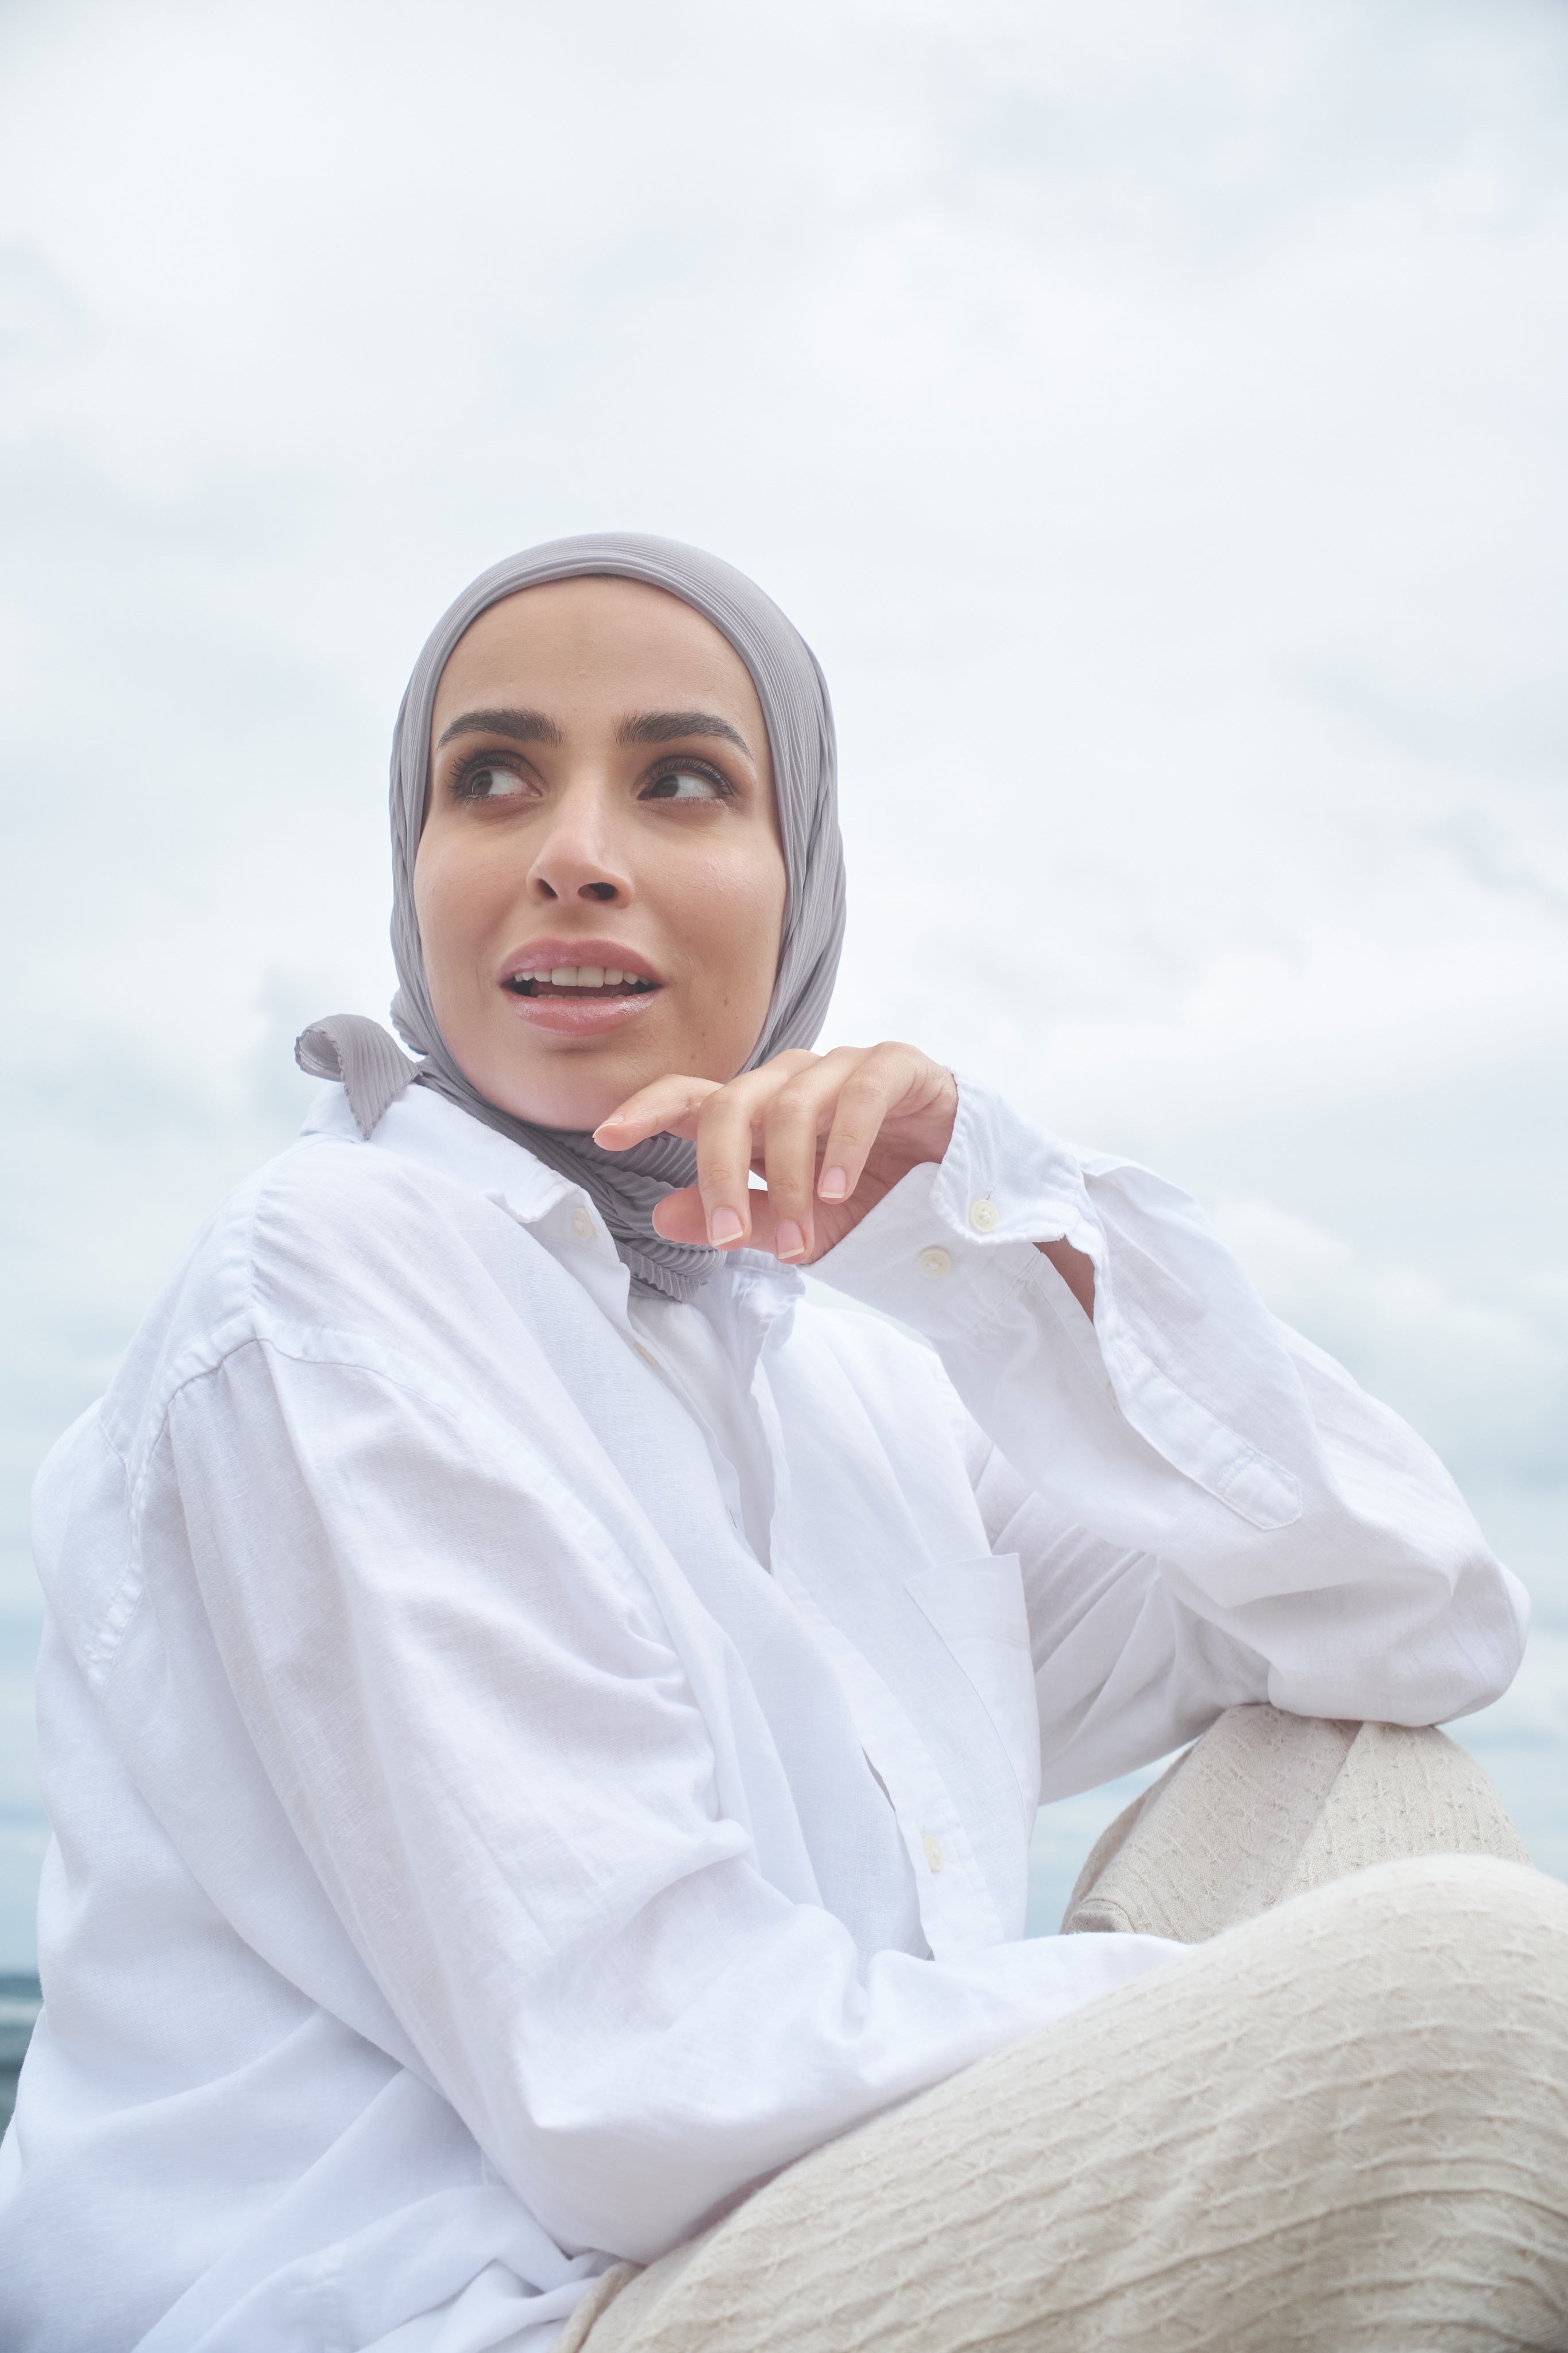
[[833, 1184], [723, 1227], [788, 1239]]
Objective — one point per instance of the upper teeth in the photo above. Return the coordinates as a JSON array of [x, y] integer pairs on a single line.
[[581, 975]]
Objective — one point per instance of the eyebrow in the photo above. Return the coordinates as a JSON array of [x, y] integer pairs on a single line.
[[644, 727], [521, 726], [668, 726]]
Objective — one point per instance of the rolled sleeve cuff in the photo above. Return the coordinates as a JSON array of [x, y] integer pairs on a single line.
[[954, 1242], [952, 1251]]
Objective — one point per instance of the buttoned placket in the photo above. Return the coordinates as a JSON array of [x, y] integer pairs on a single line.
[[763, 1298], [757, 1300], [957, 1911]]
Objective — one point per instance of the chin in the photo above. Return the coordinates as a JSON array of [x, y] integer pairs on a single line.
[[559, 1097]]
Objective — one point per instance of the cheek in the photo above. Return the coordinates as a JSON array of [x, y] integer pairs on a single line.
[[452, 892], [742, 916]]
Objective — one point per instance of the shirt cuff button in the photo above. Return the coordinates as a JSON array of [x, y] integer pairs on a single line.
[[933, 1852], [582, 1225], [935, 1261], [982, 1216]]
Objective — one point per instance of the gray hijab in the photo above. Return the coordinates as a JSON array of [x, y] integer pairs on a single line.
[[624, 1186]]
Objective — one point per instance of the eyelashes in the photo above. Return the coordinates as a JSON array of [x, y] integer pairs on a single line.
[[489, 778], [469, 780], [677, 773]]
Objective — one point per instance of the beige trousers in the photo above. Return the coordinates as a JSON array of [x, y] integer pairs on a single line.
[[1341, 2126]]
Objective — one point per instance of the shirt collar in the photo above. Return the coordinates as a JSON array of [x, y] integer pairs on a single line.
[[424, 1127]]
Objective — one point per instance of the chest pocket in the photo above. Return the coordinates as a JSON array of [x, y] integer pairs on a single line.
[[977, 1607]]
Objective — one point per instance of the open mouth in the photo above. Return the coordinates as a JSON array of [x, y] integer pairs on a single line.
[[579, 980]]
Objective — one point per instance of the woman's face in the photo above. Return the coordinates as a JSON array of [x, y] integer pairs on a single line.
[[601, 807]]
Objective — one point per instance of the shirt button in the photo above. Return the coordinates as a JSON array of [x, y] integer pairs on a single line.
[[582, 1224], [647, 1355], [933, 1851], [982, 1216], [935, 1261]]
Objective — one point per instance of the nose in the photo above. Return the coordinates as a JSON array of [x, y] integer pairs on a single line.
[[579, 857]]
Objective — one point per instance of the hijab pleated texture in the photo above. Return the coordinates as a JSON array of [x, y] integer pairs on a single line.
[[624, 1186]]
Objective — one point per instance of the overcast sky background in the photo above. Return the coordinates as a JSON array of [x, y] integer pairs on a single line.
[[1153, 413]]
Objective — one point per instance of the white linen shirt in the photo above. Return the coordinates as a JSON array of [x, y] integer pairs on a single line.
[[525, 1764]]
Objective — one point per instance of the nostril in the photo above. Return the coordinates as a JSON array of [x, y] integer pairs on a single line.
[[597, 891]]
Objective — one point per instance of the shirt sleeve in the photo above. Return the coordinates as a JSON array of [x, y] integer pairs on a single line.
[[1208, 1508], [492, 1751]]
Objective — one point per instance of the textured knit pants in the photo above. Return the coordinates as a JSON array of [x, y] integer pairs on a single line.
[[1339, 2126]]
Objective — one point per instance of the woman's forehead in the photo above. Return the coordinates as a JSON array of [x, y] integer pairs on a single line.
[[586, 642]]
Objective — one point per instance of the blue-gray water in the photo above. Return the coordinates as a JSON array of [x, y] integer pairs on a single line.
[[18, 2008]]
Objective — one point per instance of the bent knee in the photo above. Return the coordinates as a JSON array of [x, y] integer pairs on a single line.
[[1435, 1987], [1482, 1941], [1486, 1893]]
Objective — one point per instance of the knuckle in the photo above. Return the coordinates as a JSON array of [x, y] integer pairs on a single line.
[[792, 1106], [727, 1104]]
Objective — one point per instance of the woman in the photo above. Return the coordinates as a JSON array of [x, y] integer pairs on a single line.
[[543, 1718]]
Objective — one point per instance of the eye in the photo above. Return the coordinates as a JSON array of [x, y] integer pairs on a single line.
[[684, 785], [489, 780]]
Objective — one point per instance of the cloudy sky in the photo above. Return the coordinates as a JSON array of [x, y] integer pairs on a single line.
[[1152, 413]]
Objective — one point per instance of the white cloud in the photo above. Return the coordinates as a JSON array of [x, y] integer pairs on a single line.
[[1485, 1380]]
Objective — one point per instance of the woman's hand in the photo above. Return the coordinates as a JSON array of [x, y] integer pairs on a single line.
[[831, 1133]]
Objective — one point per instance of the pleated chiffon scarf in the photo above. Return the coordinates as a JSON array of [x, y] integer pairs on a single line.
[[624, 1186]]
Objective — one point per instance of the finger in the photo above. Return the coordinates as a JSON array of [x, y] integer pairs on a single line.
[[681, 1218], [670, 1106], [727, 1131], [880, 1080], [793, 1122]]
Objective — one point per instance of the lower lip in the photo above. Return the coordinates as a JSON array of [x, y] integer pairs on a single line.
[[579, 1016]]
